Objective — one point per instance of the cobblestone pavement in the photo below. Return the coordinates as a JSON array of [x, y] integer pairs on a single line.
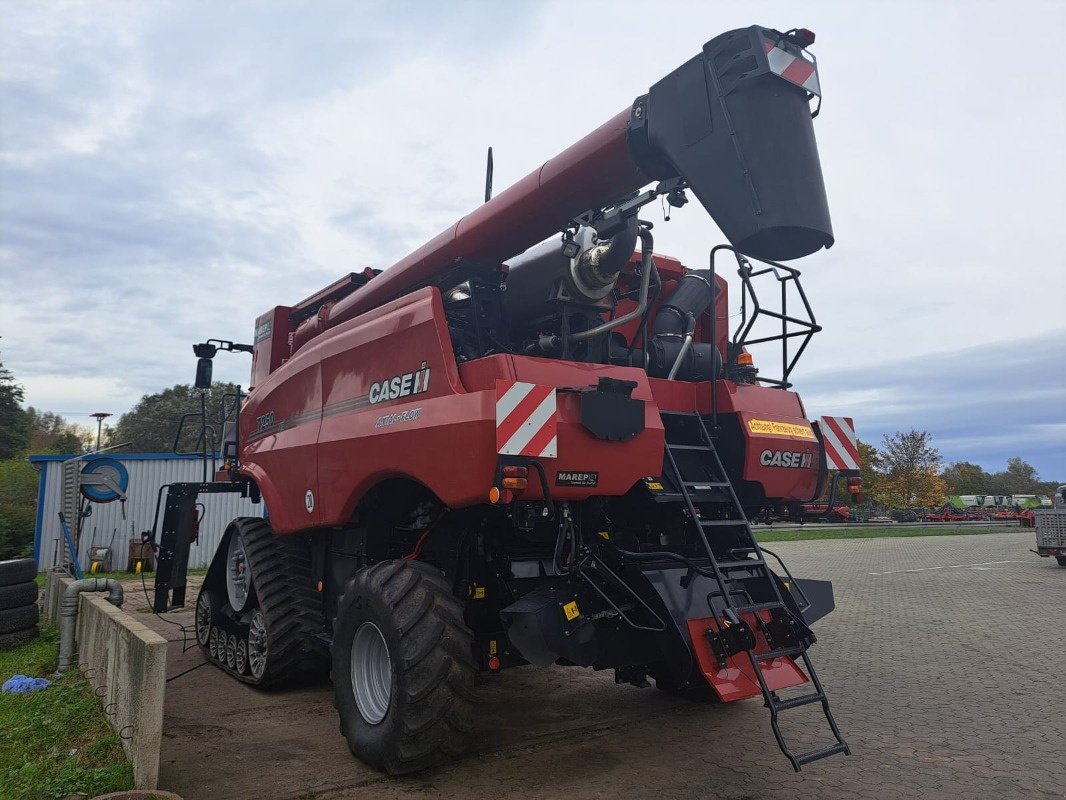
[[944, 663]]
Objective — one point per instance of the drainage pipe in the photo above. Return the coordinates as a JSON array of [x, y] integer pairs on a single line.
[[68, 613]]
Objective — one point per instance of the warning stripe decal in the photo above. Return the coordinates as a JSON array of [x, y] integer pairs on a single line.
[[841, 443], [526, 419], [793, 68]]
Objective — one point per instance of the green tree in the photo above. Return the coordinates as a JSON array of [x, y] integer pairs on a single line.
[[907, 471], [18, 507], [14, 427], [150, 426], [964, 477], [50, 433], [1020, 477]]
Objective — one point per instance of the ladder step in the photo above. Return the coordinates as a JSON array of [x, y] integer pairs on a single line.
[[719, 523], [824, 752], [770, 655], [703, 447], [742, 564], [796, 702], [702, 484], [759, 607]]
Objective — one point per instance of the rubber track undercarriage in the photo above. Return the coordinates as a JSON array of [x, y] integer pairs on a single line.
[[270, 638]]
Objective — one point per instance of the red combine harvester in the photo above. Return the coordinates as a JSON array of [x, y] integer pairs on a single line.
[[498, 452]]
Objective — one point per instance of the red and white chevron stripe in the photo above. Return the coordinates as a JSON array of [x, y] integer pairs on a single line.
[[841, 444], [525, 419], [793, 68]]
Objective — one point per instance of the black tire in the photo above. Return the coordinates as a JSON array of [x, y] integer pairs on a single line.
[[1061, 560], [19, 619], [9, 641], [431, 703], [17, 570], [18, 594]]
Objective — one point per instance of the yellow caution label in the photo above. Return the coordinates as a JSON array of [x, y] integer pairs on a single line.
[[492, 647], [571, 610], [767, 427], [479, 592], [655, 486], [605, 535]]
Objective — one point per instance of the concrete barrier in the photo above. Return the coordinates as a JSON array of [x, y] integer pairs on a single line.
[[125, 662], [55, 583]]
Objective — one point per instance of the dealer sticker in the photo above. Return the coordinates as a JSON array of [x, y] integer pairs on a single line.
[[567, 478], [768, 427]]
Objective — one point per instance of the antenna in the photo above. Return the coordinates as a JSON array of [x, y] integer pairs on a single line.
[[488, 177]]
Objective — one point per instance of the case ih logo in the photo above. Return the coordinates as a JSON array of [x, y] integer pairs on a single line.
[[401, 386], [779, 458]]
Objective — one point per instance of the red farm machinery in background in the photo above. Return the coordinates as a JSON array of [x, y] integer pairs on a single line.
[[535, 440]]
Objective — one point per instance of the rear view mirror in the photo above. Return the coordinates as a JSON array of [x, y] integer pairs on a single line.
[[203, 373]]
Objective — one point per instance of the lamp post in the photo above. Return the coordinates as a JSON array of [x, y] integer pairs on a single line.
[[100, 417]]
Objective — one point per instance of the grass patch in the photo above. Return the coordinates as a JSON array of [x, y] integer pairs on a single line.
[[889, 531], [57, 742]]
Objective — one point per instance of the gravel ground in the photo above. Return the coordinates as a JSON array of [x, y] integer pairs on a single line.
[[943, 662]]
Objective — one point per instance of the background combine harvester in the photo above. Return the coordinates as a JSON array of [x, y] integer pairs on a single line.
[[498, 452]]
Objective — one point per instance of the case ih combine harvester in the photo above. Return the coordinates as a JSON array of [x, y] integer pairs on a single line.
[[499, 452]]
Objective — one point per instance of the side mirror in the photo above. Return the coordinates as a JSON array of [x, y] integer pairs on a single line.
[[203, 373]]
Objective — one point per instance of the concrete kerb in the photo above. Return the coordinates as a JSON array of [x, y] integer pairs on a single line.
[[125, 663]]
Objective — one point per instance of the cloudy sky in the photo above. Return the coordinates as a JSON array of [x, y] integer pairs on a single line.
[[168, 171]]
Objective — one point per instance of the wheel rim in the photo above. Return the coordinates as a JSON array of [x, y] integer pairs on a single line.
[[257, 645], [203, 618], [212, 643], [238, 579], [371, 673], [242, 656], [231, 651]]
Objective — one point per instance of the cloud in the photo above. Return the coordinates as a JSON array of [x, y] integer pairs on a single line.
[[169, 171], [983, 404]]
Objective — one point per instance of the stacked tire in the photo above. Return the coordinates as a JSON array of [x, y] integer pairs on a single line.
[[18, 602]]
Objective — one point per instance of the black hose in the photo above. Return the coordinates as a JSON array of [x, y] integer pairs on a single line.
[[653, 554]]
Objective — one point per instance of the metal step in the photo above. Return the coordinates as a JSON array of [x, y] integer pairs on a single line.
[[720, 523], [824, 752], [758, 607], [716, 484], [702, 447], [796, 702], [770, 655], [744, 563]]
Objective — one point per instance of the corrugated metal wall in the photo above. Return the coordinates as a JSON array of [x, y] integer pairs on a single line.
[[147, 474]]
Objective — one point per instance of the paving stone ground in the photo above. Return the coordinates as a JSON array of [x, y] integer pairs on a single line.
[[945, 662]]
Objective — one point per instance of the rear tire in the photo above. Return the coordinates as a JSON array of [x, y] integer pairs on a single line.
[[402, 628], [1061, 560], [17, 570], [18, 594], [18, 619], [9, 641]]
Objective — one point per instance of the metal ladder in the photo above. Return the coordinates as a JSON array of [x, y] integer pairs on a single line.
[[737, 561]]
